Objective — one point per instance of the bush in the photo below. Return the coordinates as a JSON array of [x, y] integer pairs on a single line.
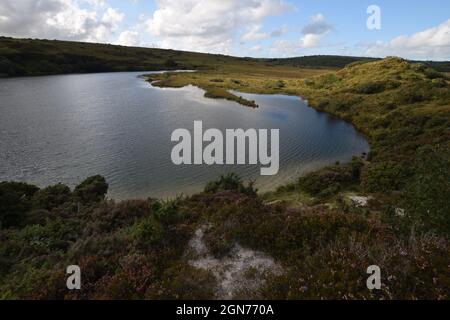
[[280, 84], [331, 180], [427, 194], [371, 88], [52, 197], [384, 176], [230, 182], [15, 201], [147, 232], [92, 190]]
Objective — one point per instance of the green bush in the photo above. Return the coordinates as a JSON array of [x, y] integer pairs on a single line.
[[92, 190], [147, 232], [371, 88], [331, 180], [15, 201], [230, 182], [428, 192], [384, 176], [52, 197]]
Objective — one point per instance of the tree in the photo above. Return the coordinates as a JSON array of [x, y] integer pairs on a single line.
[[92, 190], [15, 201]]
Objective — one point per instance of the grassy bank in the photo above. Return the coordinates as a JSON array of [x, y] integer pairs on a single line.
[[401, 107]]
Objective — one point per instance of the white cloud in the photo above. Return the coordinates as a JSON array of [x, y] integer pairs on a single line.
[[254, 33], [84, 20], [112, 17], [313, 33], [432, 43], [129, 38], [211, 25]]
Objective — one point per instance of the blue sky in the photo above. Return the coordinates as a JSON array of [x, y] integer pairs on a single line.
[[260, 28]]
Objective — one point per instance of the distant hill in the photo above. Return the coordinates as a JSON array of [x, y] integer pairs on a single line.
[[331, 61], [30, 57], [321, 61]]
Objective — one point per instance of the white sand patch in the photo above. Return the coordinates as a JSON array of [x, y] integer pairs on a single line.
[[242, 270], [360, 201]]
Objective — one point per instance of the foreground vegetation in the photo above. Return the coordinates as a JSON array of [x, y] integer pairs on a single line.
[[137, 249], [322, 239]]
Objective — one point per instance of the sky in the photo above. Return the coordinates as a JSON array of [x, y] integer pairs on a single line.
[[258, 28]]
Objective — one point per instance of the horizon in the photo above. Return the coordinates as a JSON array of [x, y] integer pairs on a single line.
[[251, 28], [232, 56]]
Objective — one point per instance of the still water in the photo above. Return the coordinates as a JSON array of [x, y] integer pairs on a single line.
[[65, 128]]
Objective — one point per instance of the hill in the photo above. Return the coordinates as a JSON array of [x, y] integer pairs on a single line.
[[31, 57], [28, 57], [338, 62], [322, 61]]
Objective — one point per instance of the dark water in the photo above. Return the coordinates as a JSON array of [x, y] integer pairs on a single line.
[[66, 128]]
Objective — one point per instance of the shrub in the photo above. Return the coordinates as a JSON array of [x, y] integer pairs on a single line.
[[230, 182], [384, 176], [430, 73], [147, 232], [371, 88], [280, 84], [15, 201], [52, 197], [427, 193], [331, 180], [92, 190]]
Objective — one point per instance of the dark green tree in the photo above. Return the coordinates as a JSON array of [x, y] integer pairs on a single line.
[[91, 190], [15, 201]]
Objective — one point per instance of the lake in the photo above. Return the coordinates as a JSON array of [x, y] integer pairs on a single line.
[[65, 128]]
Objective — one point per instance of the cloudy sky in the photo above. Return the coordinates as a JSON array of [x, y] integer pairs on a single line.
[[261, 28]]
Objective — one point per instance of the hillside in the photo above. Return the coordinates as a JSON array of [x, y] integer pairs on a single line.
[[22, 57], [338, 62], [30, 57], [311, 238], [322, 61]]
